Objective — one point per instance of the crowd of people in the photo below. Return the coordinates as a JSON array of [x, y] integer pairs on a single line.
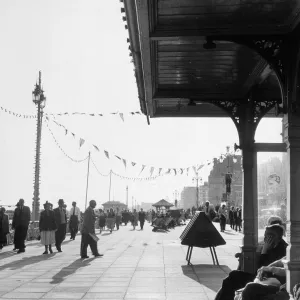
[[53, 224]]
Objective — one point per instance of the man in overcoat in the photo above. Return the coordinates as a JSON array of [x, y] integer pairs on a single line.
[[142, 217], [88, 236], [20, 224], [4, 227], [61, 223]]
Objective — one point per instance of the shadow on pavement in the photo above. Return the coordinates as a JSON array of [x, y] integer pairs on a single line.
[[108, 233], [229, 233], [70, 269], [209, 276], [25, 261]]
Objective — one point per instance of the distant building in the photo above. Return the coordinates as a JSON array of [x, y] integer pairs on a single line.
[[114, 205], [203, 193], [189, 196], [146, 206], [216, 181]]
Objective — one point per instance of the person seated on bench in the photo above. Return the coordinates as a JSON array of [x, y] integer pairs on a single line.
[[274, 248], [269, 283]]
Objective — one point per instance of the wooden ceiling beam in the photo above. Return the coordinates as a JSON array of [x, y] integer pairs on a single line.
[[194, 34], [147, 59]]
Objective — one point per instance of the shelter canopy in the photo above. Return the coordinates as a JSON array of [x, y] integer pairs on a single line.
[[193, 58]]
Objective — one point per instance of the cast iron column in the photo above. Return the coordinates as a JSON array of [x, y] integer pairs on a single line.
[[249, 163], [291, 135]]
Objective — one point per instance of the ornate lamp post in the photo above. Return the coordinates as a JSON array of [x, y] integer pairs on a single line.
[[39, 100], [196, 179]]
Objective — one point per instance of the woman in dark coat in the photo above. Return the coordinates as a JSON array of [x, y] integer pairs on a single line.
[[102, 220], [4, 227], [47, 227], [111, 220]]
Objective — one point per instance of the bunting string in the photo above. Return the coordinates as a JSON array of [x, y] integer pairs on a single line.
[[62, 150], [69, 114], [120, 114], [104, 175], [17, 114], [176, 171]]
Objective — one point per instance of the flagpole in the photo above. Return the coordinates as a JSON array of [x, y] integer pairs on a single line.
[[87, 180], [109, 186]]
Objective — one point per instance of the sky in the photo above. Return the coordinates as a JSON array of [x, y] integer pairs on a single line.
[[81, 49]]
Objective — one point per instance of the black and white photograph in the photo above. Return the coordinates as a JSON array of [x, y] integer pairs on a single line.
[[150, 149]]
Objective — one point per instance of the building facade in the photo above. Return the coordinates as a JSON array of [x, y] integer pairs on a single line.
[[216, 181], [189, 196]]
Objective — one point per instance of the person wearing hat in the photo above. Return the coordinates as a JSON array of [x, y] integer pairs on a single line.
[[61, 223], [74, 220], [4, 227], [88, 236], [20, 224], [47, 226]]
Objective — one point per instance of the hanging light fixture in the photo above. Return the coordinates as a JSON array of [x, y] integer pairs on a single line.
[[209, 45]]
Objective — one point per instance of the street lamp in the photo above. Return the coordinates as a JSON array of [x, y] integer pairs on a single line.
[[39, 100], [196, 179]]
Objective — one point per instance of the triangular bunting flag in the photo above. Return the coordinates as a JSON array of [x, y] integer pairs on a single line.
[[93, 115], [81, 142], [121, 116], [187, 171], [133, 164], [195, 170], [66, 131], [169, 171], [96, 147], [160, 169], [118, 157], [181, 171], [143, 167], [106, 154], [100, 115], [151, 171], [73, 134], [200, 167], [175, 171], [124, 162]]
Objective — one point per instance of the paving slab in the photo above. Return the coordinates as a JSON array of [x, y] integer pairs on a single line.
[[136, 265]]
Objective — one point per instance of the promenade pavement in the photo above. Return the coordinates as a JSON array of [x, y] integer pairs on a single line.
[[136, 265]]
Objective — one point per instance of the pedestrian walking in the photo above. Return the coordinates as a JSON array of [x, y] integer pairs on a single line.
[[88, 236], [238, 219], [222, 216], [142, 217], [61, 222], [134, 218], [110, 220], [20, 224], [118, 217], [74, 220], [47, 226], [102, 220], [231, 217], [4, 227]]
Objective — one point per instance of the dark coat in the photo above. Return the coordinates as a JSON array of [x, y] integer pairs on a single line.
[[21, 218], [47, 221], [57, 216], [142, 216], [231, 215], [89, 219], [5, 224]]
